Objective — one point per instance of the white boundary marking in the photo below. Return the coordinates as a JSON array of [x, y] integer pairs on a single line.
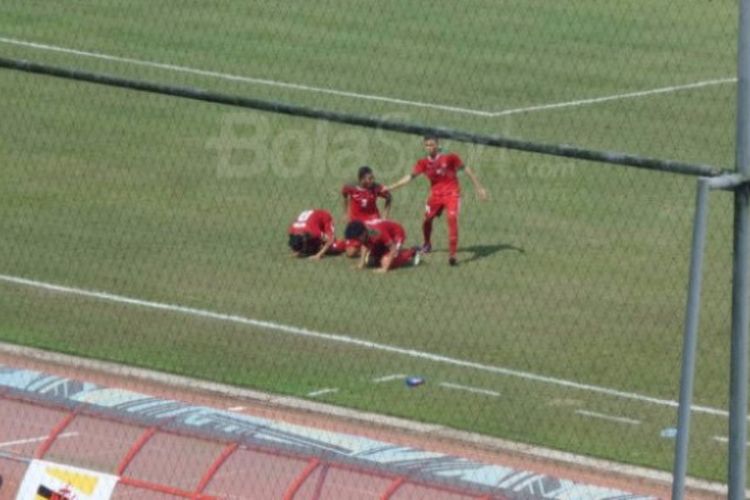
[[320, 392], [388, 378], [244, 79], [725, 440], [370, 97], [611, 418], [37, 439], [617, 97], [346, 339], [467, 388], [236, 408]]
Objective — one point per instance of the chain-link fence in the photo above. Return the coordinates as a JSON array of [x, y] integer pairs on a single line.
[[164, 233]]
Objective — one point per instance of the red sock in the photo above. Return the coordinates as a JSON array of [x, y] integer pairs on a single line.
[[427, 230], [452, 235], [402, 258]]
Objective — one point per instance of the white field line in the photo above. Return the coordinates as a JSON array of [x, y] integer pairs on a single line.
[[370, 97], [244, 79], [38, 439], [346, 339], [236, 408], [320, 392], [388, 378], [616, 97], [467, 388], [611, 418], [725, 440]]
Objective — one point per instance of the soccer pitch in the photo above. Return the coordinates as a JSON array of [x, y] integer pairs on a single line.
[[562, 327]]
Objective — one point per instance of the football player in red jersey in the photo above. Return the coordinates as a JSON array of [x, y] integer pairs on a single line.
[[361, 203], [360, 200], [382, 241], [311, 234], [445, 192]]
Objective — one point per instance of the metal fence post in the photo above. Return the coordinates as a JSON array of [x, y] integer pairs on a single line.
[[739, 361], [690, 340]]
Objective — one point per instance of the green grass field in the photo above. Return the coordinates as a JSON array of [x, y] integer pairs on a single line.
[[573, 271]]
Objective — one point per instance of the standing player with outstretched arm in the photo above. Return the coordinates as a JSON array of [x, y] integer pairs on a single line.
[[445, 192], [361, 203]]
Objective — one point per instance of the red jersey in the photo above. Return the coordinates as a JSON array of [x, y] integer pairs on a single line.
[[317, 223], [363, 202], [442, 171], [384, 233]]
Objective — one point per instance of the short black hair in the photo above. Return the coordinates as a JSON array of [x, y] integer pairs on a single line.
[[298, 242], [430, 137], [354, 230], [363, 171]]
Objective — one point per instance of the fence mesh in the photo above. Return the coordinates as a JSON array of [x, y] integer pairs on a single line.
[[152, 231]]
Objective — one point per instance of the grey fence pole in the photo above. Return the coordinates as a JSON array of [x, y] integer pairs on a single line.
[[690, 340], [739, 362]]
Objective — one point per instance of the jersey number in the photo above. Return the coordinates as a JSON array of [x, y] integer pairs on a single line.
[[304, 216]]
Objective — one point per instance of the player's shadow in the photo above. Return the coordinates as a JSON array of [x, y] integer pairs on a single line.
[[483, 251]]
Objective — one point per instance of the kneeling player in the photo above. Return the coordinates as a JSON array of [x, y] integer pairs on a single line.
[[382, 241], [361, 203], [312, 235]]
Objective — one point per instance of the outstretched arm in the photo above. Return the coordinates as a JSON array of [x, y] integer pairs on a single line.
[[478, 188], [401, 182]]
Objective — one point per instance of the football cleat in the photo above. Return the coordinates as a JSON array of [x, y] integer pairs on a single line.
[[416, 258]]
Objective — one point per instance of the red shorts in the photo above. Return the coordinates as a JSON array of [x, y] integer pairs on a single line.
[[366, 217], [437, 203]]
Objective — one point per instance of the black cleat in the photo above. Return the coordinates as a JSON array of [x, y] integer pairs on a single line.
[[452, 261]]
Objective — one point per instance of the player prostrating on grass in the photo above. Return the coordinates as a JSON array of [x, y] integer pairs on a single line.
[[445, 192], [312, 234], [361, 203], [382, 242]]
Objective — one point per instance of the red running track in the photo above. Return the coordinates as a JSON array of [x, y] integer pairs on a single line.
[[159, 463]]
